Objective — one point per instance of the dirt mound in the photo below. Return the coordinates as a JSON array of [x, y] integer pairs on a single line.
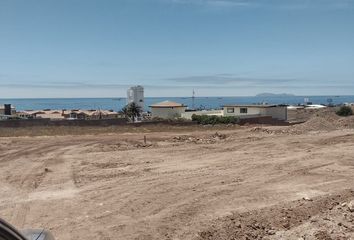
[[327, 217], [327, 121], [346, 122], [118, 146], [314, 124], [321, 122]]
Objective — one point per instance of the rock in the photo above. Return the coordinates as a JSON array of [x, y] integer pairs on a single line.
[[286, 225], [351, 206], [271, 232]]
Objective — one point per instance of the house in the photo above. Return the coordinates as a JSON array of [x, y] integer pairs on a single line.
[[167, 110], [188, 114], [47, 113], [247, 111], [91, 114], [72, 114]]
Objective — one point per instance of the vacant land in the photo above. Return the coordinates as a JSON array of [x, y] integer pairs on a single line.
[[250, 182]]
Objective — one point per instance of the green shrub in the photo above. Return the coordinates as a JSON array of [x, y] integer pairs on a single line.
[[212, 120], [345, 111]]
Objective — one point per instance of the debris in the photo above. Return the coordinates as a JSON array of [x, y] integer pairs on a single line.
[[206, 140], [351, 206]]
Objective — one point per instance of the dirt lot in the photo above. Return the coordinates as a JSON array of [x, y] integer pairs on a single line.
[[185, 183]]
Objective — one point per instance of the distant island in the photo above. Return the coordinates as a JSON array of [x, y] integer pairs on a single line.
[[275, 95]]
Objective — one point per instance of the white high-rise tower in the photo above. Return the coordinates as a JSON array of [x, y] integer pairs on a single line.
[[136, 95]]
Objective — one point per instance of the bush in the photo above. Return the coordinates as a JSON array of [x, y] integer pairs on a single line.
[[345, 111], [205, 119]]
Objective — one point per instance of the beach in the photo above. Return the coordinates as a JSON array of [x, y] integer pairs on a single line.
[[193, 182]]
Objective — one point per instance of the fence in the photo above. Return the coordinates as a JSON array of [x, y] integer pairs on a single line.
[[123, 122]]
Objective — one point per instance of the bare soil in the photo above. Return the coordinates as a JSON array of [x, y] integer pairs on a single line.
[[252, 182]]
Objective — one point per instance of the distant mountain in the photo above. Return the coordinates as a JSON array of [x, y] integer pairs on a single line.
[[275, 95]]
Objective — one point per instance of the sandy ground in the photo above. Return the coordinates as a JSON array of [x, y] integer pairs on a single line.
[[242, 183]]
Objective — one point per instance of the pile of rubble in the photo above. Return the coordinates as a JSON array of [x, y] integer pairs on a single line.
[[207, 140], [289, 131]]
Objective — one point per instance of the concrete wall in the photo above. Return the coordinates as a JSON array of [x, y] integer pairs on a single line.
[[83, 123], [266, 120], [13, 111], [48, 122], [167, 112], [279, 112], [188, 115]]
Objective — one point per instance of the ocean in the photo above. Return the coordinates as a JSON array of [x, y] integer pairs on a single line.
[[117, 104]]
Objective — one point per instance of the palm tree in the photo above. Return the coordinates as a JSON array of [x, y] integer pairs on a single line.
[[132, 111]]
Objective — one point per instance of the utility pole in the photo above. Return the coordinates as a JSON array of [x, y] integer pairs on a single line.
[[193, 100]]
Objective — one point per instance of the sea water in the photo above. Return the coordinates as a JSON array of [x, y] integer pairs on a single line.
[[117, 104]]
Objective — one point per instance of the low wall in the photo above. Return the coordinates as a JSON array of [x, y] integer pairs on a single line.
[[268, 120], [85, 123], [122, 122], [48, 122]]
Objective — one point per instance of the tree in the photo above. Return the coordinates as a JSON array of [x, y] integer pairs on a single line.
[[132, 111], [345, 111]]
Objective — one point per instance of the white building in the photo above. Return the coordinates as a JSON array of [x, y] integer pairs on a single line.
[[7, 111], [279, 112], [136, 95], [188, 114], [167, 110]]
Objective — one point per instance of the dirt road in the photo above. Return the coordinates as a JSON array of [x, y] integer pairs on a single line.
[[237, 184]]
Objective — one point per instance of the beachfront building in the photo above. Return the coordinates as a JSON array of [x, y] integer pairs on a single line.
[[171, 110], [136, 95], [188, 114], [279, 112], [72, 114], [167, 110], [7, 111], [91, 114]]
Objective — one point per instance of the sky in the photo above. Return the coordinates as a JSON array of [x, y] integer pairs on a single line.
[[98, 48]]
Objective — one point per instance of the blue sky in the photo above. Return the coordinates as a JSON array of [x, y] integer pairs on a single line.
[[97, 48]]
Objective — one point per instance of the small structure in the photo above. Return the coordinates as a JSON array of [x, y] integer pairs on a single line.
[[167, 110], [136, 95], [246, 111], [7, 111]]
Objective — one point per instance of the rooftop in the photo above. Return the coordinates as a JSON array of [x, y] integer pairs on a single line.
[[167, 104], [3, 107], [253, 105]]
